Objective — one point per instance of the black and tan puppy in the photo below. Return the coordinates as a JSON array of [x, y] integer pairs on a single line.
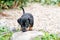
[[26, 21]]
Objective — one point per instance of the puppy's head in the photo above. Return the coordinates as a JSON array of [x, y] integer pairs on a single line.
[[24, 24]]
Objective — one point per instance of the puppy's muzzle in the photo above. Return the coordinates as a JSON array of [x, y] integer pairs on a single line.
[[24, 29]]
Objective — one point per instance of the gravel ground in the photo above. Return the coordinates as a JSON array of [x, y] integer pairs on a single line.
[[45, 17]]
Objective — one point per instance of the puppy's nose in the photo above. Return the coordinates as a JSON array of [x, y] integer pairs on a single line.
[[23, 30]]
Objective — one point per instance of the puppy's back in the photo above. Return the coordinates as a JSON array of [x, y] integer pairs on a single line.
[[27, 15]]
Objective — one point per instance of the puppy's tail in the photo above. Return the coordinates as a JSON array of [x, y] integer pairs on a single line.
[[23, 10]]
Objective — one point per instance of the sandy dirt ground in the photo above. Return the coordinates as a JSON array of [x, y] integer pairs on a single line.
[[45, 17]]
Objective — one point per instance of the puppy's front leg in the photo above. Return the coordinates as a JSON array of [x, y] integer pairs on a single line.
[[30, 28]]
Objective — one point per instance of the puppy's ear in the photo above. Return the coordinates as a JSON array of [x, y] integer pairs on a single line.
[[19, 21], [31, 21]]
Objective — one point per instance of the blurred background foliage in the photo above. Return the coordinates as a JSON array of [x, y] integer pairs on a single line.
[[5, 4]]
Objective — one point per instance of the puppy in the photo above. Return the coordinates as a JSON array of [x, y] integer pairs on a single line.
[[26, 21]]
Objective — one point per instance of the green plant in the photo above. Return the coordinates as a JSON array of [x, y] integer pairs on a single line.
[[4, 29], [5, 4], [47, 36], [5, 34]]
